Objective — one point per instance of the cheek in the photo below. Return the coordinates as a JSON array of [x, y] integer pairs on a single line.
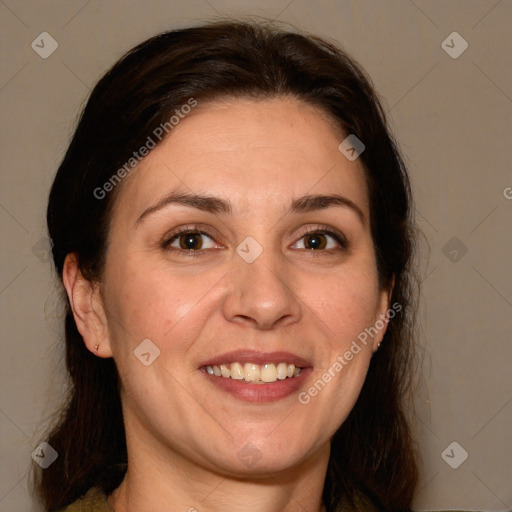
[[344, 311], [153, 301], [345, 302]]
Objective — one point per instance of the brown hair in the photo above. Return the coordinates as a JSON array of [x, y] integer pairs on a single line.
[[372, 453]]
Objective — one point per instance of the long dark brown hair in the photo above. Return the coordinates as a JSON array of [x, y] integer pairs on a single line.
[[373, 456]]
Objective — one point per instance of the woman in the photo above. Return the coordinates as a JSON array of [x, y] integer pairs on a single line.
[[232, 225]]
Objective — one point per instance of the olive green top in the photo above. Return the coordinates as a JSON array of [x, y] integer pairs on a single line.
[[96, 501]]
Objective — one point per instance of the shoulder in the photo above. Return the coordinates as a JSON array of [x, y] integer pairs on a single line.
[[94, 500]]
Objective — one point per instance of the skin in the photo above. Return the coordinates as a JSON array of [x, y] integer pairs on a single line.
[[183, 433]]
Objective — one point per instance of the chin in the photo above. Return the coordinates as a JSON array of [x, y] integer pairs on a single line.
[[262, 455]]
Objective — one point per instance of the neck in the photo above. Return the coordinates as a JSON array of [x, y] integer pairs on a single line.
[[153, 483]]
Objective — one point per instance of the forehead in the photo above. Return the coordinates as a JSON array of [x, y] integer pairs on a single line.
[[247, 150]]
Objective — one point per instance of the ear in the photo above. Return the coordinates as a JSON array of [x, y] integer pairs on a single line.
[[382, 315], [87, 306]]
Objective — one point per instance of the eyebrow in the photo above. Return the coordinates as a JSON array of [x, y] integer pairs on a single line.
[[312, 203], [211, 204]]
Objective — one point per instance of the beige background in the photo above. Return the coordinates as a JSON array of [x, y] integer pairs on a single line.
[[453, 118]]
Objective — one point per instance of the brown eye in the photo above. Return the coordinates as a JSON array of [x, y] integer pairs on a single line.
[[315, 241], [189, 241], [321, 240]]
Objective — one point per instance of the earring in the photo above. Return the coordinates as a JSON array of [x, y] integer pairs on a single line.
[[96, 347]]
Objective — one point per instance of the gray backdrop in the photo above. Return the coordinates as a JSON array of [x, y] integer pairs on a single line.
[[451, 109]]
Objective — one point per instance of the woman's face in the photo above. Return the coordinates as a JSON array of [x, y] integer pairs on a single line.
[[276, 266]]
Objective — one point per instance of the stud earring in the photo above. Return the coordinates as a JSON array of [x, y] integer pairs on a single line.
[[96, 347]]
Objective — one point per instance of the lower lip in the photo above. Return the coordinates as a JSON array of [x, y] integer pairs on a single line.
[[251, 392]]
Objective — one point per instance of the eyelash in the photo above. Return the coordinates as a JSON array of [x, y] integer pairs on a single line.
[[326, 230], [338, 236]]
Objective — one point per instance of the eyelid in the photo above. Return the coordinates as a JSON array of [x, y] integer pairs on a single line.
[[191, 228], [327, 230], [338, 235]]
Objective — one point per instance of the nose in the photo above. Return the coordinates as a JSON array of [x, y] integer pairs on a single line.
[[260, 293]]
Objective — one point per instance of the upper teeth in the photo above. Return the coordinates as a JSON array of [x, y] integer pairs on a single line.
[[268, 372]]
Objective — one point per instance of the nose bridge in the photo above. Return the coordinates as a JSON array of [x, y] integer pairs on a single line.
[[260, 292]]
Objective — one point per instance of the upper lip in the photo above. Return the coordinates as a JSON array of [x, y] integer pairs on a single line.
[[256, 357]]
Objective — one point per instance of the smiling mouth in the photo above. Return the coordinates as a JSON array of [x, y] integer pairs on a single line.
[[254, 373]]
